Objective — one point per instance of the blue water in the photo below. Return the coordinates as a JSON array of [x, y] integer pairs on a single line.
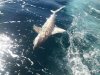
[[74, 52]]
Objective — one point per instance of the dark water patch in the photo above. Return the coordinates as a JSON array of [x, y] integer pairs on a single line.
[[91, 38], [10, 9], [62, 2], [46, 4]]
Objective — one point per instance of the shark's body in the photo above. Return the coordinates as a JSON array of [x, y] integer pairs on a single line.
[[47, 29]]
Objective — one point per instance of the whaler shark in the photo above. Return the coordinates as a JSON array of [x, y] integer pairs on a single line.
[[49, 28]]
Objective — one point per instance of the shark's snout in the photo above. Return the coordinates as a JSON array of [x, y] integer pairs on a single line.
[[34, 47]]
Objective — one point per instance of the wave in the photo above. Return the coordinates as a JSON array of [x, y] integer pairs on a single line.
[[84, 38]]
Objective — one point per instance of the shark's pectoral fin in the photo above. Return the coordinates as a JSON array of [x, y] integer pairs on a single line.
[[57, 30], [37, 28]]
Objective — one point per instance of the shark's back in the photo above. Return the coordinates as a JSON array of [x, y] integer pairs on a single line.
[[49, 25]]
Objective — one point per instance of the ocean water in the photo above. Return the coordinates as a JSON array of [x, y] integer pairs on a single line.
[[74, 52]]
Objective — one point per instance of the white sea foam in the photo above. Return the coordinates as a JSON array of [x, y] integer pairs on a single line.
[[83, 23], [6, 46]]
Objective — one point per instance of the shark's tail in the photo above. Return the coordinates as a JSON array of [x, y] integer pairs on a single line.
[[54, 12]]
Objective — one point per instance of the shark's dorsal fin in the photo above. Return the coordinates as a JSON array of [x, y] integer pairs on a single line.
[[57, 30], [37, 28]]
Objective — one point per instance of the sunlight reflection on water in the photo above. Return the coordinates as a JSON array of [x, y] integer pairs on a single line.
[[6, 46]]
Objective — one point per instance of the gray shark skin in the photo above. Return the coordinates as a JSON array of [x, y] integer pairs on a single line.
[[47, 29]]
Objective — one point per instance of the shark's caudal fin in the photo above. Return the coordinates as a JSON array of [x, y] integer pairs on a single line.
[[54, 12]]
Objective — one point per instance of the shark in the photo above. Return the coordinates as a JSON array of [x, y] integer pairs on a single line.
[[49, 28]]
